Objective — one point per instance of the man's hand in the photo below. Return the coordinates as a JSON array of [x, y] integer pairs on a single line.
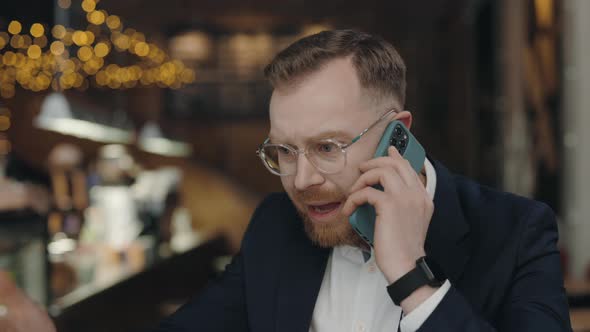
[[17, 312], [403, 210]]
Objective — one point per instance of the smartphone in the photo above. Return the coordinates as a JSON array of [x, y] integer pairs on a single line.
[[396, 134]]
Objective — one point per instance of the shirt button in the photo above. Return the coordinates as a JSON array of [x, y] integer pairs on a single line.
[[372, 268]]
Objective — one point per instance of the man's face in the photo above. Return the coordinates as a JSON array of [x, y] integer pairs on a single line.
[[329, 103]]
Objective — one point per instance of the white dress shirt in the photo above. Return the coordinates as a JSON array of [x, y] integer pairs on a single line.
[[353, 295]]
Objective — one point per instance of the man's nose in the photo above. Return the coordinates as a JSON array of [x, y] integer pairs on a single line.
[[307, 174]]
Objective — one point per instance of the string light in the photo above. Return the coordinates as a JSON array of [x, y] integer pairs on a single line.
[[9, 58], [17, 41], [96, 17], [4, 39], [142, 49], [21, 61], [40, 41], [37, 30], [7, 91], [88, 5], [57, 48], [85, 53], [37, 65], [14, 27], [101, 49], [114, 22], [58, 31], [64, 4], [34, 52], [80, 38], [4, 122], [68, 37], [89, 37]]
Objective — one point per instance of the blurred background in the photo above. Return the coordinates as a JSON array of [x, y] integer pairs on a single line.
[[128, 130]]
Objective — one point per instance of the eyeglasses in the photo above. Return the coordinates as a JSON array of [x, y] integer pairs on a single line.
[[327, 155]]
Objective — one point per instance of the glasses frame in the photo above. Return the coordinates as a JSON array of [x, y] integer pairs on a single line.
[[260, 151]]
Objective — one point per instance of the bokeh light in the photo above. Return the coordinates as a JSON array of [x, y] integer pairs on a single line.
[[37, 30], [80, 38], [57, 47], [17, 41], [4, 122], [96, 17], [85, 53], [4, 39], [40, 41], [114, 22], [64, 4], [89, 37], [36, 64], [58, 31], [142, 49], [34, 52], [14, 27], [101, 49], [88, 5]]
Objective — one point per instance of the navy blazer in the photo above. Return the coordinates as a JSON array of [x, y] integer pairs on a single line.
[[497, 249]]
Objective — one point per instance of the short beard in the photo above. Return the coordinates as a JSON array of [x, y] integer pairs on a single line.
[[335, 233]]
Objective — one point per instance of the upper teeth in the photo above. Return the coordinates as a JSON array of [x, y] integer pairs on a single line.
[[322, 207]]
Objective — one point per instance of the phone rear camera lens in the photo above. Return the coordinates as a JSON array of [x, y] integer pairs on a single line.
[[398, 131], [393, 142], [402, 144]]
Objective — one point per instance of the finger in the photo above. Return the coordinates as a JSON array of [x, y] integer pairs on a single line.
[[399, 164], [367, 195], [376, 163], [407, 172], [386, 177]]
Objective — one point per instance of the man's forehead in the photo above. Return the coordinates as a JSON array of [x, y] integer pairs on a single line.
[[327, 103], [304, 126]]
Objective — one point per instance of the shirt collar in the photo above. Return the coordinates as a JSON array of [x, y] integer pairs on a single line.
[[430, 178]]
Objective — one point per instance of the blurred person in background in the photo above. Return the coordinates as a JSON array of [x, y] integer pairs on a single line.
[[22, 187]]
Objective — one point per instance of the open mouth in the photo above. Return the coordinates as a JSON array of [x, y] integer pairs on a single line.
[[322, 211]]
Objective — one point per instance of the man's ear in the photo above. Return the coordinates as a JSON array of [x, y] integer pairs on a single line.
[[405, 117]]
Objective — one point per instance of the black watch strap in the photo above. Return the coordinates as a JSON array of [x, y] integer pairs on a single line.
[[406, 285]]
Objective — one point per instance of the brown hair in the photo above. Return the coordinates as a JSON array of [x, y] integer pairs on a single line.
[[378, 65]]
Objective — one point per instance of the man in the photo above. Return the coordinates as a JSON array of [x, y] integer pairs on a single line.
[[301, 266]]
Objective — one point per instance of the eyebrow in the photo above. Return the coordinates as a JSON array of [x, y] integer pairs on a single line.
[[331, 134], [324, 135]]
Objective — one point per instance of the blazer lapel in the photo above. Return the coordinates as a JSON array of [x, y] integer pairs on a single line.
[[447, 239], [302, 271]]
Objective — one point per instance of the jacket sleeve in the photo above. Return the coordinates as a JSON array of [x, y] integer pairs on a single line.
[[536, 299]]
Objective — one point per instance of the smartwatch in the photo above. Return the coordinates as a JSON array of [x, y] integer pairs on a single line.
[[426, 272]]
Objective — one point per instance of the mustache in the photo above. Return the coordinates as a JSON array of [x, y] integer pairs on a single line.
[[316, 194]]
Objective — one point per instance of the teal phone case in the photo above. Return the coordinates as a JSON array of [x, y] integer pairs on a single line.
[[396, 134]]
